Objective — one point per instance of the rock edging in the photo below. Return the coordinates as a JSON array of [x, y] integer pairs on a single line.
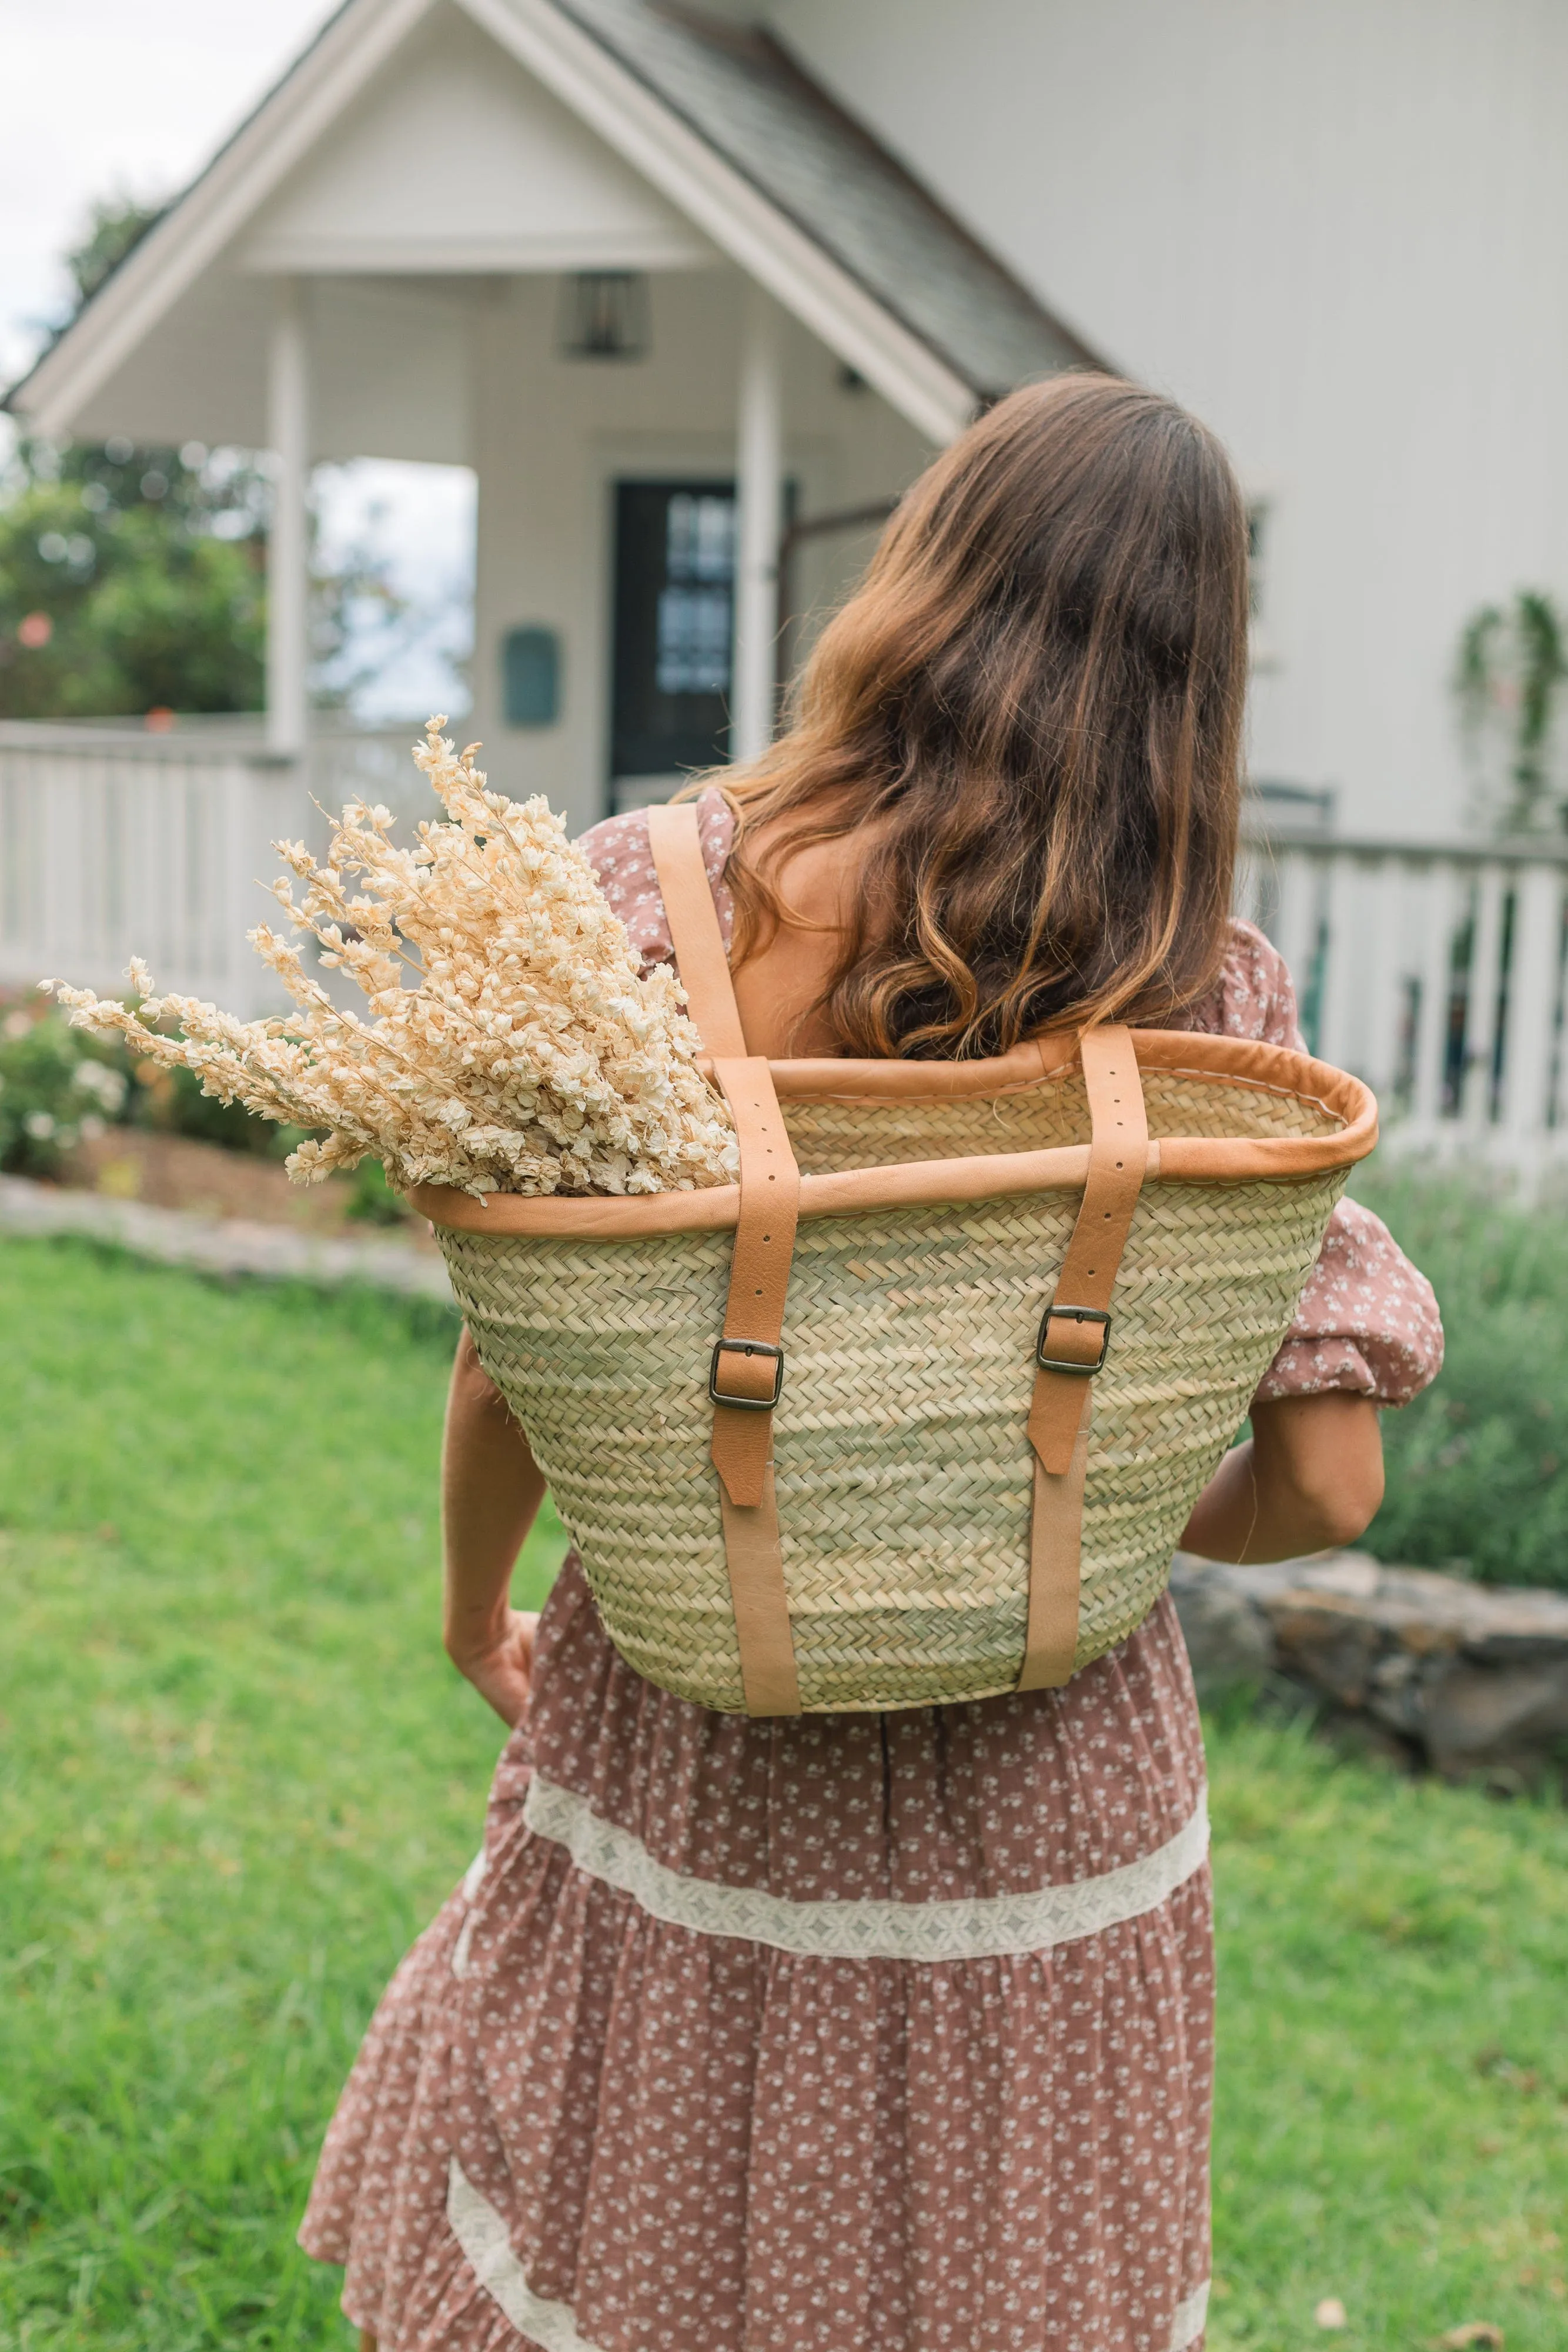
[[221, 1244], [1467, 1679]]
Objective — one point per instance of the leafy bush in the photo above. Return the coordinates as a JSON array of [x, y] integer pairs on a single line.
[[372, 1201], [1477, 1467], [172, 1101], [60, 1085], [57, 1088]]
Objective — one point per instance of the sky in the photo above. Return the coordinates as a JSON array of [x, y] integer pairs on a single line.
[[103, 98]]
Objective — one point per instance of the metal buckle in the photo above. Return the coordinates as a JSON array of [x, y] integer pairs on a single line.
[[746, 1347], [1072, 1314]]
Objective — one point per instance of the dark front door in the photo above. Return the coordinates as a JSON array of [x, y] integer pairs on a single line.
[[675, 603]]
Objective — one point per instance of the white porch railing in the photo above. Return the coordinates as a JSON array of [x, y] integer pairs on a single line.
[[1435, 972], [115, 841]]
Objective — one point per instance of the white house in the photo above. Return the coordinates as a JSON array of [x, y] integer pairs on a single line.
[[696, 292]]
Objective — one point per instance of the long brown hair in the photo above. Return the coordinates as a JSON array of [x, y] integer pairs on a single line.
[[1033, 702]]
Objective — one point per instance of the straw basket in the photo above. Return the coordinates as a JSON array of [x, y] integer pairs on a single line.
[[1021, 1318]]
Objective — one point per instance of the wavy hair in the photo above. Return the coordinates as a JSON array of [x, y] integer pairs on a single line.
[[1032, 705]]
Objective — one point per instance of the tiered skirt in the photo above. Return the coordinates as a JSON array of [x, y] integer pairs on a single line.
[[842, 2033]]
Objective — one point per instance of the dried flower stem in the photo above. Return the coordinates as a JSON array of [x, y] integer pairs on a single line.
[[531, 1054]]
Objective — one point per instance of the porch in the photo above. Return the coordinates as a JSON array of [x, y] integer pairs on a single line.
[[1436, 971], [678, 313]]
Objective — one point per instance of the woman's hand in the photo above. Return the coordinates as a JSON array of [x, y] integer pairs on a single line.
[[501, 1665], [1311, 1475]]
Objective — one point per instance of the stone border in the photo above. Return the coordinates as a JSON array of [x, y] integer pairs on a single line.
[[221, 1244], [1469, 1680]]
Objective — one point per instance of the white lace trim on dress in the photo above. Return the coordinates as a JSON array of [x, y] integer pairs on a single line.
[[967, 1928], [482, 2234], [1188, 2325]]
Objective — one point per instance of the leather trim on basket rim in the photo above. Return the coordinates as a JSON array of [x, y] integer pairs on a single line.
[[977, 1176]]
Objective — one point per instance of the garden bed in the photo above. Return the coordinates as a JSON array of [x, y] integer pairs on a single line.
[[177, 1171]]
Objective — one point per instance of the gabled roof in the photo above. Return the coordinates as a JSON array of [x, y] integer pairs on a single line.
[[719, 118], [740, 89]]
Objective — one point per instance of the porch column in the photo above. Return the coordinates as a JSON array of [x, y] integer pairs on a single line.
[[758, 477], [287, 546]]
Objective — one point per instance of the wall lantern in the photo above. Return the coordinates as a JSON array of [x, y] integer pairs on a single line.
[[604, 315], [530, 677]]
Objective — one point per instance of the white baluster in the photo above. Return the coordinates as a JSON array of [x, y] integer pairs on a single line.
[[1534, 978], [1382, 932], [1294, 930], [1342, 959], [1483, 990], [1441, 911]]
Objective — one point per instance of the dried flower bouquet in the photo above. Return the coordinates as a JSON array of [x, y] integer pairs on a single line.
[[514, 1043]]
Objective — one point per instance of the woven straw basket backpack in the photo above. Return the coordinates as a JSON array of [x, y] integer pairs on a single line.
[[916, 1411]]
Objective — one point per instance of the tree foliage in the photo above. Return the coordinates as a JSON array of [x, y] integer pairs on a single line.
[[114, 228], [132, 578]]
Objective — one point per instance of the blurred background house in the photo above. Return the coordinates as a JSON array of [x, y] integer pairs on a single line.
[[694, 293]]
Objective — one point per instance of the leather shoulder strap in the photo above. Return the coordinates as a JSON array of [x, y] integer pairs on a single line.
[[1074, 1335], [676, 843], [1075, 1332], [746, 1374]]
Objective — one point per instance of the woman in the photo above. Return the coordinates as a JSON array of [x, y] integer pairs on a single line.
[[1011, 801]]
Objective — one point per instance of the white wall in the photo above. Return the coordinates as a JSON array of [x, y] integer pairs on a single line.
[[551, 436], [1335, 228]]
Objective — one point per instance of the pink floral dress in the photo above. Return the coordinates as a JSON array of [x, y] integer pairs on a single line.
[[836, 2033]]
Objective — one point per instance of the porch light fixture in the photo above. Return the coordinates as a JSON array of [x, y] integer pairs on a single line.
[[604, 315]]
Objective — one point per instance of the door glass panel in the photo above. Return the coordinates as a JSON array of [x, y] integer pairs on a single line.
[[674, 599]]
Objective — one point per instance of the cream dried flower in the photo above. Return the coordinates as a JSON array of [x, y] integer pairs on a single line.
[[514, 1043]]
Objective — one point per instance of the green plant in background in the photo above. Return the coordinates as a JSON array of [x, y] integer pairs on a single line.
[[372, 1201], [1512, 663], [60, 1087], [132, 577], [119, 590], [1477, 1467], [56, 1089]]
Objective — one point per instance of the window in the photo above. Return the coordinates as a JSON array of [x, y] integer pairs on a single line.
[[674, 598]]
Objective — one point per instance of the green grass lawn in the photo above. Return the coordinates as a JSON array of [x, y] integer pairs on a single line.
[[237, 1775]]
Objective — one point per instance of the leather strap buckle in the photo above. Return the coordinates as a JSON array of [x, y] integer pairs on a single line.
[[1071, 1315], [746, 1347]]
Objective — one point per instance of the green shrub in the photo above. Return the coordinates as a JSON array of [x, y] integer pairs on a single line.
[[372, 1201], [1477, 1467], [57, 1085], [171, 1102]]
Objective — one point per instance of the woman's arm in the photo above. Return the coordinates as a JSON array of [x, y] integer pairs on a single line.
[[491, 1487], [1311, 1475]]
